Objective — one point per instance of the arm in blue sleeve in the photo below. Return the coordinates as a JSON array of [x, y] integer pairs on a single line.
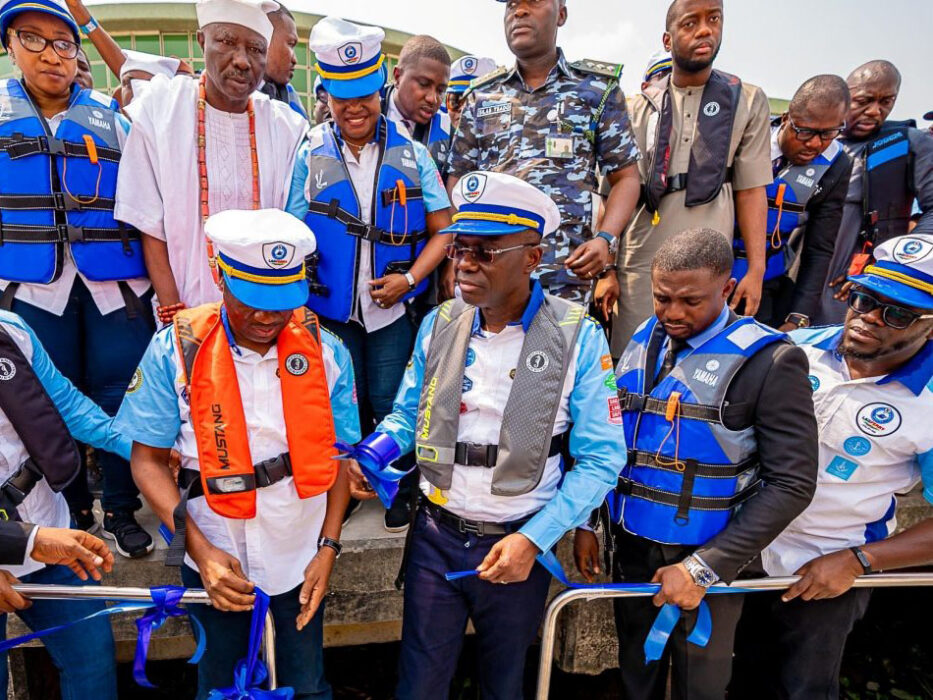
[[297, 204], [432, 187], [149, 414], [343, 396], [926, 471], [86, 421], [400, 424], [597, 445]]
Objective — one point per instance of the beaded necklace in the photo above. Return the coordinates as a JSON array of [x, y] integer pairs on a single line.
[[202, 165]]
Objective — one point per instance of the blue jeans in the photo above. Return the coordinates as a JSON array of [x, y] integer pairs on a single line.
[[436, 611], [99, 355], [299, 656], [84, 654]]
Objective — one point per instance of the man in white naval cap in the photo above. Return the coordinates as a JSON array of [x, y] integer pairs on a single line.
[[463, 71], [500, 378], [199, 147], [871, 379], [253, 394], [659, 66]]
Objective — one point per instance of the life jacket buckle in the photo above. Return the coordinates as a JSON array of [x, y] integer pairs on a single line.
[[70, 234], [65, 202], [52, 145]]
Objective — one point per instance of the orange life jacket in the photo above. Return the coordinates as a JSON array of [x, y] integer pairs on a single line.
[[219, 422]]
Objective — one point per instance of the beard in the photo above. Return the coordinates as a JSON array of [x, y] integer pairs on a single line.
[[846, 350], [690, 66]]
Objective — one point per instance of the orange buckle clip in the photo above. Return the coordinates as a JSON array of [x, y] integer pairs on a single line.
[[91, 148], [673, 404], [402, 193], [779, 199]]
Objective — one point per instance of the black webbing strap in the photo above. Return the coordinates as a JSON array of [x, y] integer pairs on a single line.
[[792, 207], [414, 505], [15, 489], [356, 227], [66, 233], [682, 516], [468, 454], [131, 302], [390, 197], [19, 146], [6, 299], [641, 403], [59, 201], [678, 182], [641, 458], [629, 488]]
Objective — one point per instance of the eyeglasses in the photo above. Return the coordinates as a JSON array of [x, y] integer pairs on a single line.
[[896, 317], [36, 44], [804, 134], [483, 256]]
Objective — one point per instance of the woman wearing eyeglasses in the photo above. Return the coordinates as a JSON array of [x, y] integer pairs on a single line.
[[374, 199], [67, 267]]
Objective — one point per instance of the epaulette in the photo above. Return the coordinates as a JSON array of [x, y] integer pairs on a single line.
[[600, 68], [485, 80]]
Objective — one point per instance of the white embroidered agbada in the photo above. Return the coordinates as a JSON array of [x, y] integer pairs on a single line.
[[157, 188]]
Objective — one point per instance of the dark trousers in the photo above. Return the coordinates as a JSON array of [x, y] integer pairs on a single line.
[[776, 297], [299, 656], [99, 354], [793, 650], [506, 617], [698, 672], [84, 654], [379, 360]]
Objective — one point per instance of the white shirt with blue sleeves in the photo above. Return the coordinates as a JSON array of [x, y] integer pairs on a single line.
[[155, 412], [85, 420], [561, 501], [875, 442]]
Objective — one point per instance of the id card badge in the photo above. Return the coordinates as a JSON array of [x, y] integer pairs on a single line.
[[559, 146]]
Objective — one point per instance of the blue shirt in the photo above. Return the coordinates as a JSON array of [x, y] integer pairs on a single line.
[[561, 501]]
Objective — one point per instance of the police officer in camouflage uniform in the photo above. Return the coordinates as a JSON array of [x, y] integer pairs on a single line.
[[553, 123]]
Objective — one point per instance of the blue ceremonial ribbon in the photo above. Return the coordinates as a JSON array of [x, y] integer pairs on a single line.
[[664, 623], [384, 481], [166, 599], [251, 672]]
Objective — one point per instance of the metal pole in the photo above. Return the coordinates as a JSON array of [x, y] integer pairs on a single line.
[[191, 596], [761, 584]]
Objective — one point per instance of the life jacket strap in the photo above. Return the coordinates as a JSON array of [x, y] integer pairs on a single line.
[[390, 197], [65, 233], [59, 201], [641, 458], [791, 207], [15, 489], [627, 487], [642, 403], [356, 227], [20, 146], [468, 454], [678, 182]]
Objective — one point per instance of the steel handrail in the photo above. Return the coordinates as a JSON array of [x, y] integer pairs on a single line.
[[760, 584], [191, 596]]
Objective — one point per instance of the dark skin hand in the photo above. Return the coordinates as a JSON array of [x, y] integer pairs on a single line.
[[80, 551], [420, 87], [234, 62], [586, 553], [677, 588], [10, 600]]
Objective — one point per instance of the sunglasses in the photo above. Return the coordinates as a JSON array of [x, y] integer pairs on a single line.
[[481, 255], [894, 316]]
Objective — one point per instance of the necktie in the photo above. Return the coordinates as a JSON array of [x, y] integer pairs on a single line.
[[674, 347]]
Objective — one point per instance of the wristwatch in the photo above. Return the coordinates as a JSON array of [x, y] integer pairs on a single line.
[[701, 573], [333, 544], [411, 281], [610, 239], [862, 559], [799, 320]]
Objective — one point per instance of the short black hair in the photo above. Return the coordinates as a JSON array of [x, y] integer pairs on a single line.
[[282, 10], [672, 15], [876, 70], [824, 91], [695, 249], [423, 46]]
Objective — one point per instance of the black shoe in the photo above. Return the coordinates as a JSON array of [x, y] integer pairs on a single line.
[[85, 520], [398, 517], [131, 539], [352, 507]]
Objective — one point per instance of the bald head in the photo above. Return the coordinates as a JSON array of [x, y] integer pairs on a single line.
[[874, 87], [819, 95], [874, 73], [678, 7]]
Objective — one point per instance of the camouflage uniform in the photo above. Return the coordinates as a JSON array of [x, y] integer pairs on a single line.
[[505, 127]]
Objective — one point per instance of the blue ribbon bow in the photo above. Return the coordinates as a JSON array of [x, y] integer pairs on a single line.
[[166, 599], [384, 481], [251, 672], [664, 623]]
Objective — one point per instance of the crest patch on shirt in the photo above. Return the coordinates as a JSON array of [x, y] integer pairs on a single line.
[[878, 419]]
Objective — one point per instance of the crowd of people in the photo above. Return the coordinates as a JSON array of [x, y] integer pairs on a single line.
[[508, 301]]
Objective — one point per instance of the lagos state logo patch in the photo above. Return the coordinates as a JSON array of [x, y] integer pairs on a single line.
[[878, 419]]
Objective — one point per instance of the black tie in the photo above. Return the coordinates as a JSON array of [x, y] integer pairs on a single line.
[[674, 347]]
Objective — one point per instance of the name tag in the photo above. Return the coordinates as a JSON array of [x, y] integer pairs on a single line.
[[492, 110], [559, 147]]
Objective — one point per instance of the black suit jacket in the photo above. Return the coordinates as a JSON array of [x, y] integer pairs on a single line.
[[14, 536], [772, 393]]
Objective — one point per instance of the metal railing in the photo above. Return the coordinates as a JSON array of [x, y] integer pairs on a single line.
[[759, 584], [192, 596]]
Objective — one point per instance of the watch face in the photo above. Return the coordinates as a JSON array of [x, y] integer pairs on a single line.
[[705, 578]]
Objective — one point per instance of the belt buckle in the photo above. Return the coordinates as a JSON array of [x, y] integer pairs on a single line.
[[467, 527]]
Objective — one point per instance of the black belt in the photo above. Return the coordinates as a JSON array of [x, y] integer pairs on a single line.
[[468, 454], [641, 458], [266, 473], [356, 227], [59, 201], [15, 489], [642, 403], [19, 146], [473, 527]]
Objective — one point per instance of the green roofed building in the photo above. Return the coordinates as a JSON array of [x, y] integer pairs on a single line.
[[169, 29]]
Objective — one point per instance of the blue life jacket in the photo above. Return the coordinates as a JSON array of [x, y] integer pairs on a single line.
[[53, 194], [294, 101], [793, 187], [398, 230], [685, 476]]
